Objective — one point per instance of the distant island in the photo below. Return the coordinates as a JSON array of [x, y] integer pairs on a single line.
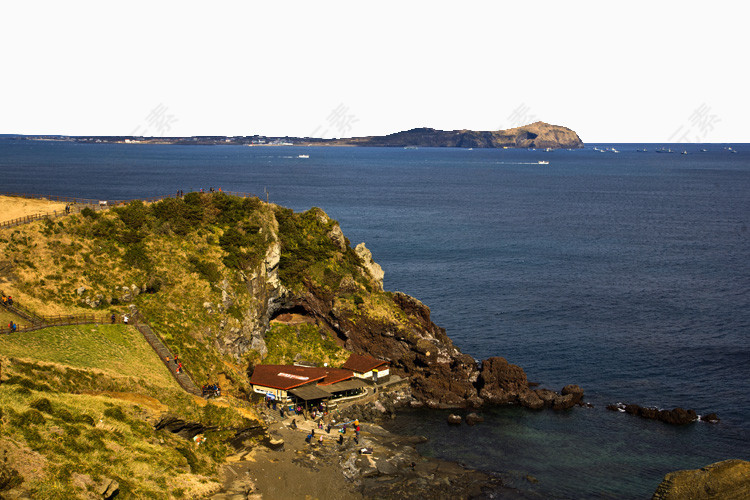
[[535, 135]]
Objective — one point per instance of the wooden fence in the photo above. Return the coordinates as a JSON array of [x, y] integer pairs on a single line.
[[60, 320]]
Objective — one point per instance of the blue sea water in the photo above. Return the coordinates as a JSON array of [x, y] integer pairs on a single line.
[[628, 274]]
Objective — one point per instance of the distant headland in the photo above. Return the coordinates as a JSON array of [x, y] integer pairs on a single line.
[[535, 135]]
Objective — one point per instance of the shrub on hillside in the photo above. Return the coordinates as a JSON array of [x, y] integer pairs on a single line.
[[208, 270], [133, 214], [135, 255], [89, 213]]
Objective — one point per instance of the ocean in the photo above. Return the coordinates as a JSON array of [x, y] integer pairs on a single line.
[[625, 273]]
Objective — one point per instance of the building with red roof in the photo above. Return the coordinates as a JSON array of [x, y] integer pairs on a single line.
[[366, 367], [303, 382]]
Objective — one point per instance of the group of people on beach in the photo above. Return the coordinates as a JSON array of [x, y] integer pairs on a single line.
[[211, 390], [310, 438]]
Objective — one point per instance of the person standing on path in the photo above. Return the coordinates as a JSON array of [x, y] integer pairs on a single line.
[[179, 367]]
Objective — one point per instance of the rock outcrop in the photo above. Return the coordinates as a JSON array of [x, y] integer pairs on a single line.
[[372, 267], [187, 430], [727, 480], [676, 416]]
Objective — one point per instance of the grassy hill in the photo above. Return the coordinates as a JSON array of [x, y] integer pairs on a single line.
[[116, 351], [78, 406], [201, 270], [215, 276]]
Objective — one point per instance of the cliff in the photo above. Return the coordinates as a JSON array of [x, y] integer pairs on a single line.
[[229, 283], [535, 135]]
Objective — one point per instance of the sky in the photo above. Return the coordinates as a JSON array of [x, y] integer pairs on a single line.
[[657, 71]]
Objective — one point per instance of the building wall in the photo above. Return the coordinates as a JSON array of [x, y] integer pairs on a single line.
[[382, 372], [280, 394]]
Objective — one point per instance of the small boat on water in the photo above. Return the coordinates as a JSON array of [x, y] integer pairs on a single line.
[[542, 162], [683, 152], [303, 156]]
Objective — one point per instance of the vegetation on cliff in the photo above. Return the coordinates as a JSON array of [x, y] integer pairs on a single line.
[[215, 276], [78, 406]]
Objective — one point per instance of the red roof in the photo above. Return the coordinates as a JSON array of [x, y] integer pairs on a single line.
[[334, 375], [363, 364], [287, 377]]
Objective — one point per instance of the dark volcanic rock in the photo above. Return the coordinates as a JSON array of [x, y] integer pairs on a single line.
[[676, 416], [187, 430], [564, 402], [454, 419], [547, 396], [712, 418], [501, 382], [530, 399], [576, 391], [474, 418]]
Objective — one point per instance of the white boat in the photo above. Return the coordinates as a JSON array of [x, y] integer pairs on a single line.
[[303, 156], [614, 150], [542, 162]]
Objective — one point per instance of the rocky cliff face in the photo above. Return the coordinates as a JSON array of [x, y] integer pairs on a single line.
[[395, 327], [214, 274], [535, 135]]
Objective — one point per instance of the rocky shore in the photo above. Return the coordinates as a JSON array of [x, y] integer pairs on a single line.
[[380, 464]]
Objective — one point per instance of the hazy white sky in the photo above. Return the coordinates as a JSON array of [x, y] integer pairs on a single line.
[[611, 71]]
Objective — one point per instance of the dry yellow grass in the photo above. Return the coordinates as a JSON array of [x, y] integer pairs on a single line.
[[12, 207]]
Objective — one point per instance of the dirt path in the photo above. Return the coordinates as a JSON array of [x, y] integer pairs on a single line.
[[292, 472], [12, 207]]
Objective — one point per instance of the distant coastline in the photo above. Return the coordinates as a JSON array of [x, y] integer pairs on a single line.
[[535, 135]]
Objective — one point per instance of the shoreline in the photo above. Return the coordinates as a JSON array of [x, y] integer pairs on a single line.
[[394, 469]]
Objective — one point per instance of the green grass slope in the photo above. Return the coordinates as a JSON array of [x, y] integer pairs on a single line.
[[117, 351], [77, 406]]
